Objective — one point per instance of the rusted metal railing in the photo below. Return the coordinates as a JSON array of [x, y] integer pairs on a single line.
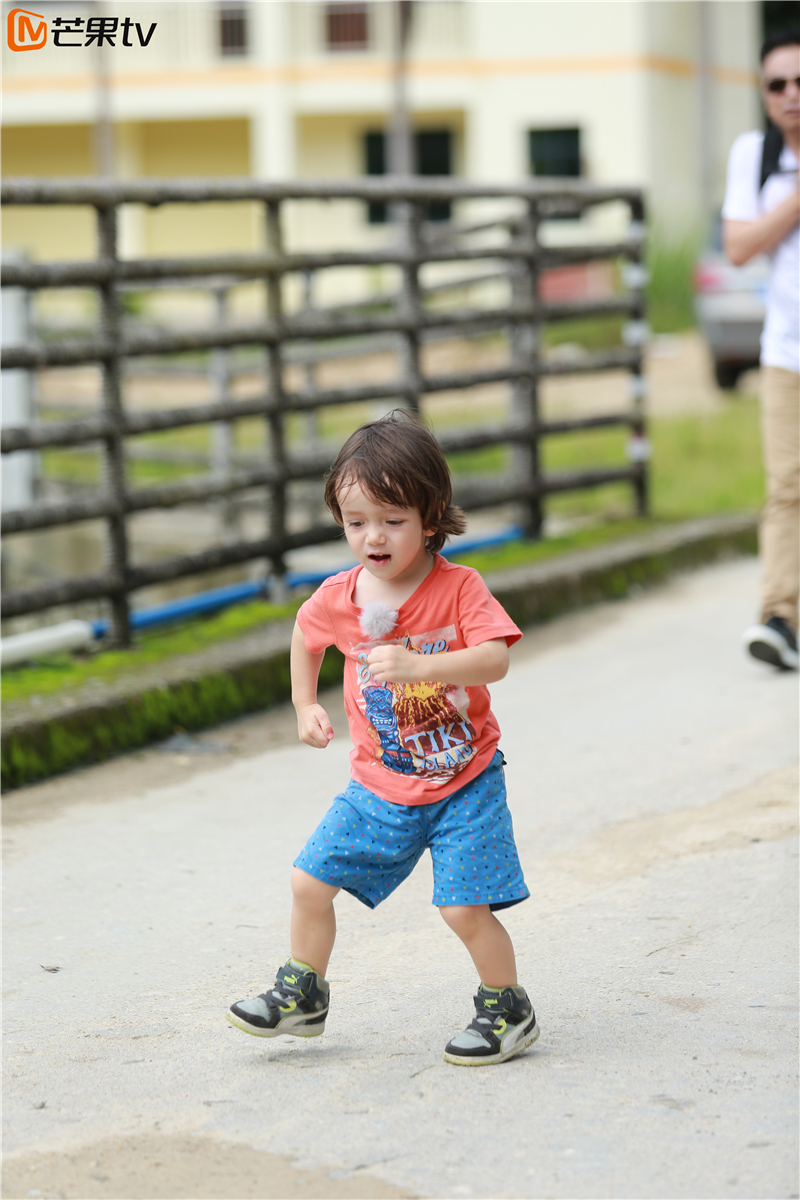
[[521, 256]]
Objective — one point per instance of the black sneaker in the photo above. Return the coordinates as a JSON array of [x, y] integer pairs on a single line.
[[773, 642], [297, 1004], [504, 1024]]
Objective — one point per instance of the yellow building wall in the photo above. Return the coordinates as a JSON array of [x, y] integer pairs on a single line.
[[175, 149], [168, 149], [46, 150]]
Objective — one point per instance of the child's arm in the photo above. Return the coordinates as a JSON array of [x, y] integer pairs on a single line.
[[476, 665], [313, 723]]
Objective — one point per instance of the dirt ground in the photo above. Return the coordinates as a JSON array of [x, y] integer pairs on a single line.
[[181, 1168]]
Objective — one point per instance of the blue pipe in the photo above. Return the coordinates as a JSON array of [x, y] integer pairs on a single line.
[[204, 603], [200, 604], [514, 533]]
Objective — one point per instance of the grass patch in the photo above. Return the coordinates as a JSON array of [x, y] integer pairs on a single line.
[[84, 467], [595, 333], [708, 463], [702, 464], [58, 671], [670, 292], [486, 461], [516, 554], [70, 466]]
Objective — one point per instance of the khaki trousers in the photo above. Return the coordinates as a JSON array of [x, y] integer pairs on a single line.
[[779, 534]]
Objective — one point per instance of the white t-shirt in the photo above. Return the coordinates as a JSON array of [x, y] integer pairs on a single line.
[[780, 339]]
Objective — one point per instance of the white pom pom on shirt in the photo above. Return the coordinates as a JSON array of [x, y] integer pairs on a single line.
[[377, 619]]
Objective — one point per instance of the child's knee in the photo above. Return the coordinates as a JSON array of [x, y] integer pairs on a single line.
[[465, 919], [311, 892]]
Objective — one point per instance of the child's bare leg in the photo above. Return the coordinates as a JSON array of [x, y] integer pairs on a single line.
[[313, 920], [486, 940]]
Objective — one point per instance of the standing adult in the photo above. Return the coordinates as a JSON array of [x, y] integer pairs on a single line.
[[760, 216]]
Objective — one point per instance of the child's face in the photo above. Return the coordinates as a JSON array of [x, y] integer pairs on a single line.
[[389, 542]]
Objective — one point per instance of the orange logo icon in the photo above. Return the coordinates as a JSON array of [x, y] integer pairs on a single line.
[[22, 33]]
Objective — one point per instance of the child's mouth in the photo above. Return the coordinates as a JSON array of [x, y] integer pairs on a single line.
[[379, 559]]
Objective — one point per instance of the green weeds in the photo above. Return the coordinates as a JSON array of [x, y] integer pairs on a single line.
[[670, 292], [59, 671]]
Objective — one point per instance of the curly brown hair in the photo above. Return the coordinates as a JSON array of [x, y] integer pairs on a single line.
[[398, 461]]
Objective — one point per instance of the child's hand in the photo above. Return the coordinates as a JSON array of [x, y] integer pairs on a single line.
[[314, 726], [394, 664]]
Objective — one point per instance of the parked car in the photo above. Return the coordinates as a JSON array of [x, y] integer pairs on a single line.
[[730, 303]]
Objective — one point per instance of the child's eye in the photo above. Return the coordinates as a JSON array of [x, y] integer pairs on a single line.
[[354, 524], [395, 521]]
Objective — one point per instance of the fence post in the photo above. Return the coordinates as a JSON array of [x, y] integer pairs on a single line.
[[19, 470], [310, 419], [222, 431], [410, 305], [525, 350], [114, 443], [275, 418], [639, 442]]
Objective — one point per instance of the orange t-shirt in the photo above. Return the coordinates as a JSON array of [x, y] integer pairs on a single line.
[[413, 743]]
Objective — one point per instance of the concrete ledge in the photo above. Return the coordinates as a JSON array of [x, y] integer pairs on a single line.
[[46, 735], [540, 591]]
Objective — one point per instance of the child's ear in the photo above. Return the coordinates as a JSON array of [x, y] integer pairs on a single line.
[[431, 532]]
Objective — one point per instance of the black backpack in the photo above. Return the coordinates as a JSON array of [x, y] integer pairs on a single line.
[[771, 153]]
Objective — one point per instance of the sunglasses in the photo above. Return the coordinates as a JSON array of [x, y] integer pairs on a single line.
[[778, 86]]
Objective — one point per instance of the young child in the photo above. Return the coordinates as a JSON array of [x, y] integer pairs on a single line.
[[422, 638]]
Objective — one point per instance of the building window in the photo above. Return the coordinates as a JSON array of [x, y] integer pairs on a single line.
[[432, 156], [232, 29], [555, 152], [375, 163], [433, 152], [346, 26]]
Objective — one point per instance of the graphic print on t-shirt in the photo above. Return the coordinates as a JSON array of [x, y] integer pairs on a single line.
[[418, 728]]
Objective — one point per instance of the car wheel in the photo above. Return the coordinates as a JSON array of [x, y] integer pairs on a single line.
[[727, 375]]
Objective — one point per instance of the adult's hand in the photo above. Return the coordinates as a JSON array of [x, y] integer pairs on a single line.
[[743, 240]]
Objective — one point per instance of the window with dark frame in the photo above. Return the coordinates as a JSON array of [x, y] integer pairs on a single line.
[[433, 155], [232, 29], [555, 152], [375, 164], [347, 26]]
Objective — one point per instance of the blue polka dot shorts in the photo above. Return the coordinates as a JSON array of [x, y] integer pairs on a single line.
[[368, 846]]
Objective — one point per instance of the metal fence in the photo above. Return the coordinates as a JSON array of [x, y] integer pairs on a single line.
[[519, 255]]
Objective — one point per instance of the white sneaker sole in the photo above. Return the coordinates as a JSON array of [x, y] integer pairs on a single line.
[[285, 1027], [470, 1061], [768, 646]]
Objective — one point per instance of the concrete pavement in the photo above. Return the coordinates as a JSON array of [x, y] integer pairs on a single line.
[[652, 777]]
